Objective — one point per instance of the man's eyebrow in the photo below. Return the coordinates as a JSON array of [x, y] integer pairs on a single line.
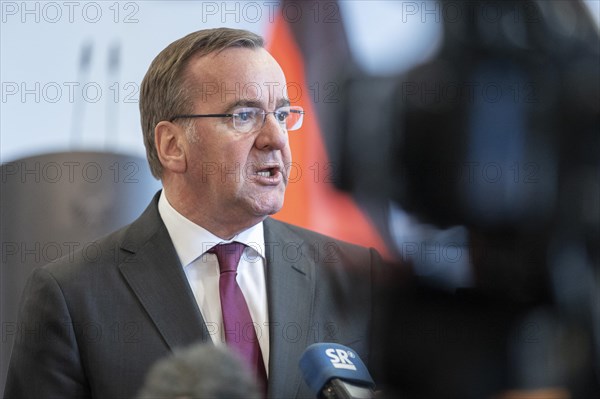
[[244, 103], [284, 102]]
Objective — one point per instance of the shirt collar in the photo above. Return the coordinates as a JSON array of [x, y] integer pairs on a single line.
[[192, 241]]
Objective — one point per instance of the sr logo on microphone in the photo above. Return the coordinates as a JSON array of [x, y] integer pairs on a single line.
[[340, 358]]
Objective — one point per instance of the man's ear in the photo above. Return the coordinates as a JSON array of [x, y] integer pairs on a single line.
[[171, 146]]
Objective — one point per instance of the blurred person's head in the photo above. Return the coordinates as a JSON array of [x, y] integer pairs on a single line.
[[200, 371]]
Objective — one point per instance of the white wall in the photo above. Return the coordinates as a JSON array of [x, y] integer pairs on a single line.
[[41, 44], [42, 86]]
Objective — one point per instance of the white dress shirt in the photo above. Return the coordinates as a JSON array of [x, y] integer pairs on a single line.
[[202, 270]]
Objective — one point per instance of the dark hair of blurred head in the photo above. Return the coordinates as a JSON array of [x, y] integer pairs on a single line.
[[200, 371]]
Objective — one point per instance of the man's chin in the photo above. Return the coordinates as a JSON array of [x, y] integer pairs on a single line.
[[265, 210], [272, 211]]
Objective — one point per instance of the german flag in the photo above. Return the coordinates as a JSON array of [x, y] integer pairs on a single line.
[[311, 199]]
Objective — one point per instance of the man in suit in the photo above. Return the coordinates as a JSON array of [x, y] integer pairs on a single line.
[[215, 118]]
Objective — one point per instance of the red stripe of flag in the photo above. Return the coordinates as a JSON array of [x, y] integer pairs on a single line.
[[311, 200]]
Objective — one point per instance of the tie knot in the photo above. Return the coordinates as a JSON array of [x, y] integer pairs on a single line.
[[228, 255]]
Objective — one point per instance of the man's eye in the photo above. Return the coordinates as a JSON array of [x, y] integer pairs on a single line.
[[245, 115], [282, 115]]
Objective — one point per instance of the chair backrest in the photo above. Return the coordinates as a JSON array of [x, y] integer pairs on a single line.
[[53, 204]]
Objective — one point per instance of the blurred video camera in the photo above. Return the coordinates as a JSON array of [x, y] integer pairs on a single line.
[[500, 133]]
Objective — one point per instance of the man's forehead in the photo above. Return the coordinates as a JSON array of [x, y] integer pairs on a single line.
[[246, 94], [237, 64], [238, 74]]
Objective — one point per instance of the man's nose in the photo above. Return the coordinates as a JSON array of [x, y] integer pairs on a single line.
[[272, 135]]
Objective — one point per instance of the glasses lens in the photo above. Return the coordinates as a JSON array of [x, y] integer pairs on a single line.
[[295, 118], [246, 119], [281, 116]]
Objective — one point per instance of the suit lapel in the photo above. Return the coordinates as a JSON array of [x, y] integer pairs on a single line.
[[155, 275], [290, 291], [153, 271]]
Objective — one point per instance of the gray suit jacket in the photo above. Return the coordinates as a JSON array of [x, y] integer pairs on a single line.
[[92, 323]]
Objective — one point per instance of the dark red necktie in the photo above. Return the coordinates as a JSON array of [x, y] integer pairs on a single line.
[[237, 322]]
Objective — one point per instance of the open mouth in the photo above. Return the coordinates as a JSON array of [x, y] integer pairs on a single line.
[[268, 172]]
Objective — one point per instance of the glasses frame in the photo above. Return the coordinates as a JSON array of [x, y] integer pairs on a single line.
[[293, 109]]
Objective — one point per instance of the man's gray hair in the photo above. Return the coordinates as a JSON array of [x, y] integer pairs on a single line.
[[165, 91]]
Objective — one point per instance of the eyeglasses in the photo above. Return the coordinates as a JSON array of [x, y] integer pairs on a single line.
[[251, 119]]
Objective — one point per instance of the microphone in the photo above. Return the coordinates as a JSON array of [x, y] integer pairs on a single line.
[[335, 371], [83, 69], [200, 371], [112, 104]]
